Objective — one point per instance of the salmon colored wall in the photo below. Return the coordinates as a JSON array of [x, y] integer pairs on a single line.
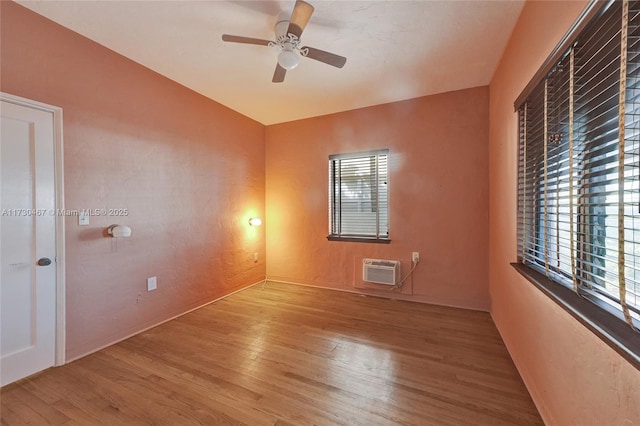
[[190, 171], [573, 377], [438, 191]]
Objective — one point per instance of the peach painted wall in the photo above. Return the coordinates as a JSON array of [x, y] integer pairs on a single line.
[[438, 191], [190, 171], [573, 377]]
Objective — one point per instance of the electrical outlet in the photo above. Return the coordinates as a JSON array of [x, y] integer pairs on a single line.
[[255, 256], [152, 283], [415, 257]]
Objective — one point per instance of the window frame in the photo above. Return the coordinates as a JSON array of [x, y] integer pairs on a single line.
[[601, 317], [335, 203]]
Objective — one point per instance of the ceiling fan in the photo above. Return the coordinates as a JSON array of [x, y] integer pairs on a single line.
[[288, 41]]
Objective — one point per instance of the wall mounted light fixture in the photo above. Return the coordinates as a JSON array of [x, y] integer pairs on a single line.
[[255, 221], [119, 231]]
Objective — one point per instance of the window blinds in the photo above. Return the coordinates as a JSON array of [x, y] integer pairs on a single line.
[[578, 192], [358, 195]]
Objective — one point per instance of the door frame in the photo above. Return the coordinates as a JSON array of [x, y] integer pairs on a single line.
[[59, 218]]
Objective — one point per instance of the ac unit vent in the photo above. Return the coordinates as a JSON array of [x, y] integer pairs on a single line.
[[380, 271]]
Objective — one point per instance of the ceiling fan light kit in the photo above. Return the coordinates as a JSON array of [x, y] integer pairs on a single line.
[[289, 45], [288, 59], [288, 41]]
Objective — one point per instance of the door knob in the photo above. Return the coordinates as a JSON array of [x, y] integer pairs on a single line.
[[44, 261]]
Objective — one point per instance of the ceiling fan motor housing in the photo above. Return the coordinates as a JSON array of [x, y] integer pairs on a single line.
[[281, 30]]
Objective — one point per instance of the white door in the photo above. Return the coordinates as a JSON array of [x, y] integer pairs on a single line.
[[27, 241]]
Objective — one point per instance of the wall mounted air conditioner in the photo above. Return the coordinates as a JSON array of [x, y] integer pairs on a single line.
[[380, 271]]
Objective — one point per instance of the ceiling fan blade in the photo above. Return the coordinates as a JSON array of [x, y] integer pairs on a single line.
[[300, 16], [326, 57], [246, 40], [278, 74]]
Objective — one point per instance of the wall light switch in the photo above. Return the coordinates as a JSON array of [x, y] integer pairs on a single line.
[[152, 283], [83, 217]]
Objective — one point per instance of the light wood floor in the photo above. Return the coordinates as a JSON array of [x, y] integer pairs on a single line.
[[289, 355]]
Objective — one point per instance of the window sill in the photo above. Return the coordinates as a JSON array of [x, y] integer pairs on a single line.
[[359, 239], [614, 332]]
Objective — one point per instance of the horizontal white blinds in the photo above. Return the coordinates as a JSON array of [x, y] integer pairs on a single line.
[[579, 218], [358, 192]]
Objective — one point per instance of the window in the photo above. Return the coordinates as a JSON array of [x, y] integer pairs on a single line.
[[578, 181], [358, 197]]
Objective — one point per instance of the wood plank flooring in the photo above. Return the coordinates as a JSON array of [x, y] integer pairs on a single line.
[[289, 355]]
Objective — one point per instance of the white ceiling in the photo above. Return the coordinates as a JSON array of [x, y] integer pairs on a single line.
[[395, 50]]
